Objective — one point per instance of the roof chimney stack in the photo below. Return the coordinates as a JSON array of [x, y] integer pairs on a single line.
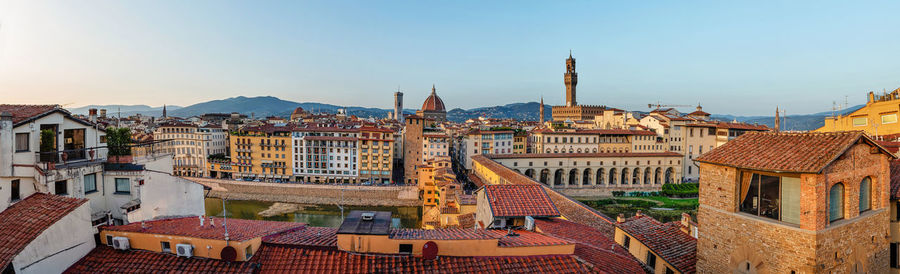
[[93, 114]]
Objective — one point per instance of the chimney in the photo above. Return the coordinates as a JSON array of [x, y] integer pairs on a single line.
[[685, 219], [103, 113], [201, 220], [638, 213], [6, 144], [871, 97], [620, 218], [93, 114]]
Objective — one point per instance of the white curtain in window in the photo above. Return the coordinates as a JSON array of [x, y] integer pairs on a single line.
[[790, 200]]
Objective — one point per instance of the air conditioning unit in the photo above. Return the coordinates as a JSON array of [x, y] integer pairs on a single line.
[[184, 250], [529, 223], [120, 243]]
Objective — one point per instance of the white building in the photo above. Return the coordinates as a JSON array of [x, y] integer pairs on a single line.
[[324, 154], [191, 146], [479, 142], [434, 145]]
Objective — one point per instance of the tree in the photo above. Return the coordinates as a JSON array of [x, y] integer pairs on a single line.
[[118, 140], [48, 140]]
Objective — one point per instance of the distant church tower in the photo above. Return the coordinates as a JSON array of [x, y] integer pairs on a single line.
[[571, 78], [777, 121], [541, 112], [398, 106], [164, 111]]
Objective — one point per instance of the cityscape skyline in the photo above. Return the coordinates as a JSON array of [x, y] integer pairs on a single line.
[[358, 54]]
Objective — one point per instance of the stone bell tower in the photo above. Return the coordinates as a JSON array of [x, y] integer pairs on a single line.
[[571, 78]]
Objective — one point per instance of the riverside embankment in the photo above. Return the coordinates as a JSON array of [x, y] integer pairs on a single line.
[[311, 193]]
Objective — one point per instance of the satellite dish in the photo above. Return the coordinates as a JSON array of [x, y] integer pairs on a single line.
[[429, 250], [229, 254]]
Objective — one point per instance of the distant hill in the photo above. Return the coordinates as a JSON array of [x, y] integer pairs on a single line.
[[793, 122], [263, 106], [126, 110], [519, 111]]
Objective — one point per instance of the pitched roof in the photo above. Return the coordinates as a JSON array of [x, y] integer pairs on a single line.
[[785, 152], [525, 238], [440, 234], [105, 259], [519, 201], [592, 245], [290, 259], [306, 236], [584, 155], [25, 112], [25, 220], [238, 229], [666, 240]]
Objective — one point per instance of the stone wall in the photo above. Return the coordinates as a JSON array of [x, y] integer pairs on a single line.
[[313, 194]]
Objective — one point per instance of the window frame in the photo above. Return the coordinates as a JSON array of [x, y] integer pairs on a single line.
[[84, 181], [842, 202], [65, 184], [165, 246], [119, 191], [15, 190], [868, 195], [27, 142]]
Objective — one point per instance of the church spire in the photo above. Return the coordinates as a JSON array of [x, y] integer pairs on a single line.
[[777, 120]]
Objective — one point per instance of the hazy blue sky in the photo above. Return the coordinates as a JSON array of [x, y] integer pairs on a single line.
[[740, 57]]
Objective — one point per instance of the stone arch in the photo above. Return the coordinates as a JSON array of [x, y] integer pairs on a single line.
[[595, 150], [647, 176], [579, 150], [657, 178], [670, 175], [636, 176], [612, 176], [530, 173], [600, 178], [573, 177], [624, 176], [557, 177], [586, 177], [545, 174]]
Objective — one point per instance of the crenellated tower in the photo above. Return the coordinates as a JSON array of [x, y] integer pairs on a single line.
[[571, 79]]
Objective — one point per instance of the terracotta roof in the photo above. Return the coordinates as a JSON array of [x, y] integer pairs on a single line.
[[105, 259], [467, 220], [25, 220], [306, 236], [665, 239], [519, 201], [440, 234], [525, 238], [592, 245], [584, 155], [893, 147], [238, 229], [298, 110], [449, 210], [21, 113], [785, 152], [287, 259], [475, 180], [433, 102]]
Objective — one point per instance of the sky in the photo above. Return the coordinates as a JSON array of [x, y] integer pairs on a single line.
[[732, 57]]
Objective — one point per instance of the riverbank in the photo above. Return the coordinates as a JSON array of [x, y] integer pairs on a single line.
[[312, 215], [311, 194]]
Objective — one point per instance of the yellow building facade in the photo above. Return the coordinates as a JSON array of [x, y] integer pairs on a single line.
[[877, 118]]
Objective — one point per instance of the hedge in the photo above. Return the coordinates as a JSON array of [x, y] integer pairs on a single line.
[[681, 190]]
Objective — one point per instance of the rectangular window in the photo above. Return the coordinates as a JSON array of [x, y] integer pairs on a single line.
[[61, 188], [90, 183], [166, 247], [109, 240], [894, 255], [22, 142], [14, 191], [770, 196], [248, 252], [123, 186], [889, 118], [405, 249], [859, 121], [627, 242], [651, 260]]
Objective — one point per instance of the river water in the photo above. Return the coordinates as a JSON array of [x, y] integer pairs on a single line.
[[313, 215]]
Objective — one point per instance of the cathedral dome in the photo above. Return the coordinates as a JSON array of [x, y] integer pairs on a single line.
[[298, 110], [433, 102]]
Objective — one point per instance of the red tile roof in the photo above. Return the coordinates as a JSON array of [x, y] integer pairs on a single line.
[[584, 155], [592, 245], [287, 259], [466, 220], [24, 112], [306, 236], [519, 201], [525, 238], [665, 239], [25, 220], [105, 259], [785, 152], [238, 230], [440, 234]]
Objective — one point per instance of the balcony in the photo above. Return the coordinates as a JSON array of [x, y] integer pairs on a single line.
[[70, 158]]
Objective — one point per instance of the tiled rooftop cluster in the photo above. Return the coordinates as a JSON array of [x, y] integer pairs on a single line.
[[305, 236], [104, 259], [665, 239], [592, 245]]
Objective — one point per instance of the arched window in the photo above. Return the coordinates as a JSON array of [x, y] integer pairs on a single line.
[[836, 202], [865, 194]]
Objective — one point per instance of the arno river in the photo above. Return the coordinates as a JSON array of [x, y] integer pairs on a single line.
[[313, 215]]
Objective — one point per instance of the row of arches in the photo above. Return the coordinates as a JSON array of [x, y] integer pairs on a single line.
[[602, 176]]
